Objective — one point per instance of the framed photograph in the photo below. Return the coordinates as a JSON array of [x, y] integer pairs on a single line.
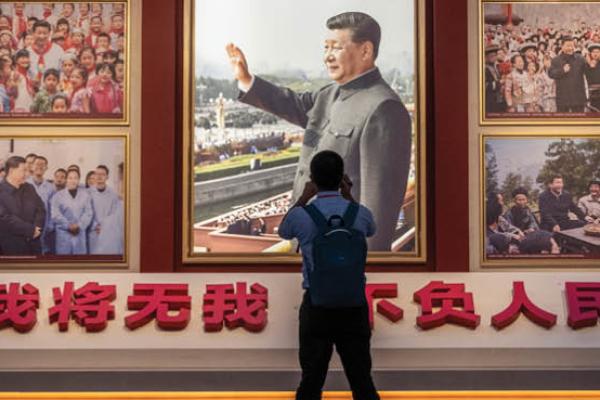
[[248, 142], [63, 200], [540, 200], [539, 62], [64, 63]]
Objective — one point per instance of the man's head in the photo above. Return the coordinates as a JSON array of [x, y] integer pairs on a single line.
[[556, 183], [60, 178], [568, 45], [493, 209], [351, 46], [491, 54], [16, 171], [520, 195], [41, 32], [40, 165], [327, 170], [73, 177], [96, 24], [29, 159], [101, 176], [594, 187]]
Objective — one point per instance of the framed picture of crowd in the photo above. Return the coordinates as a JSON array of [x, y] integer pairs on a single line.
[[539, 62], [63, 200], [540, 200], [260, 106], [64, 63]]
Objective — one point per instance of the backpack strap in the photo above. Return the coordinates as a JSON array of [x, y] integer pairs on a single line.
[[316, 215], [350, 214]]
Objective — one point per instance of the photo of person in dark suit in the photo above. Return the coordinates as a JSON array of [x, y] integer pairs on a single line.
[[22, 212], [359, 116]]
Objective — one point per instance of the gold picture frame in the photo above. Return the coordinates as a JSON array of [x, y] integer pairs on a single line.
[[42, 120], [189, 257], [89, 262], [541, 261], [547, 120]]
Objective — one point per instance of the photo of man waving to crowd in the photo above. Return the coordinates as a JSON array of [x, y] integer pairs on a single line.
[[534, 66]]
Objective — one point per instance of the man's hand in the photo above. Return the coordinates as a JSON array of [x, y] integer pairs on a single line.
[[566, 68], [590, 219], [556, 228], [74, 229], [346, 188], [37, 232], [239, 64], [97, 229], [310, 190]]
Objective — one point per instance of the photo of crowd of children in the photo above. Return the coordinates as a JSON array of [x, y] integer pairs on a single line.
[[542, 197], [62, 198], [541, 60], [62, 60]]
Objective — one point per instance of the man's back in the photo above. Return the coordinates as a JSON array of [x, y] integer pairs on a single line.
[[299, 225]]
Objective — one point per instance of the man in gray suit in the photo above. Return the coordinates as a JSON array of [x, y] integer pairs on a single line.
[[358, 116]]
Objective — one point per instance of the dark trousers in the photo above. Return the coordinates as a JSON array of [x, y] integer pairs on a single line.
[[573, 109], [346, 328]]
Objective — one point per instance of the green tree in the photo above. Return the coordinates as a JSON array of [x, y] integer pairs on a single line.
[[491, 170], [577, 161]]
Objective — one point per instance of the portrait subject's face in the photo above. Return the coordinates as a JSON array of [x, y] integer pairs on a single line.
[[72, 180], [19, 174], [342, 56]]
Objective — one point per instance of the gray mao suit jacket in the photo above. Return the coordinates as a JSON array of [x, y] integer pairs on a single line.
[[366, 123]]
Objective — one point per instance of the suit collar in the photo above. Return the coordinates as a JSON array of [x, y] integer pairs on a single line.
[[360, 82]]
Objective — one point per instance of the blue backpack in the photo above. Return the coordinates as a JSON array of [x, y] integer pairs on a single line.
[[339, 258]]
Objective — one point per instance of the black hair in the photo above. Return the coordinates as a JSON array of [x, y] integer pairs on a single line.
[[21, 53], [64, 171], [555, 176], [13, 163], [63, 21], [104, 167], [42, 24], [513, 59], [51, 71], [594, 182], [493, 209], [111, 67], [42, 158], [327, 170], [74, 170], [59, 96], [104, 35], [30, 155], [520, 190], [363, 26], [87, 177], [87, 48]]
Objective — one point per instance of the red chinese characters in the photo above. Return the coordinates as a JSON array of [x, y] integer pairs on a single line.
[[384, 307], [90, 306], [522, 304], [18, 306], [234, 307], [169, 304], [583, 302], [455, 305]]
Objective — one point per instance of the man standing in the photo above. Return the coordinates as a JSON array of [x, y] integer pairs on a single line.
[[45, 190], [494, 95], [590, 204], [568, 70], [555, 205], [22, 213], [320, 327], [43, 53], [60, 179], [359, 117], [592, 74], [104, 237]]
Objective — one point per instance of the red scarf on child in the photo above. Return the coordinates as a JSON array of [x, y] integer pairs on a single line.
[[25, 74], [41, 54], [47, 14]]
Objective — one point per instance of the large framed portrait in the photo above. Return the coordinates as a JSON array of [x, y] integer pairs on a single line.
[[250, 134], [540, 200], [64, 63], [63, 200], [539, 62]]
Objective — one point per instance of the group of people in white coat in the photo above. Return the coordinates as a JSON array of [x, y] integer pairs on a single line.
[[81, 218]]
